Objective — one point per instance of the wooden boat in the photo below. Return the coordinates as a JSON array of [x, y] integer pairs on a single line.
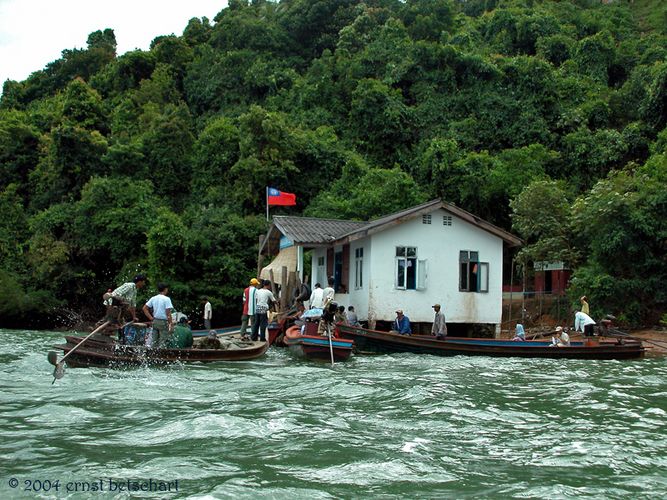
[[313, 346], [101, 352], [273, 330], [373, 341]]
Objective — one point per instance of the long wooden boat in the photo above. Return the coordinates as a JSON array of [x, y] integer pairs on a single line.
[[373, 341], [272, 331], [317, 346], [108, 353]]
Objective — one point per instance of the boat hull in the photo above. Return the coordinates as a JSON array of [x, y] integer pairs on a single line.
[[96, 353], [272, 331], [317, 347], [373, 341]]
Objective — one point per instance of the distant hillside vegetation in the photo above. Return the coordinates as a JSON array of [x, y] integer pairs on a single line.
[[546, 118]]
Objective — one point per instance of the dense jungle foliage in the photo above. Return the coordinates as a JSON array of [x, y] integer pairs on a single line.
[[547, 118]]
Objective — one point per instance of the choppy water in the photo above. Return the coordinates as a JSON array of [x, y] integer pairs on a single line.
[[374, 427]]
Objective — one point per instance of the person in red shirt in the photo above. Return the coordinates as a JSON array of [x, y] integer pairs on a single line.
[[248, 304]]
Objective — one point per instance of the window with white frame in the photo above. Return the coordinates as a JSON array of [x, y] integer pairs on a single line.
[[446, 220], [426, 219], [473, 274], [410, 271], [359, 267]]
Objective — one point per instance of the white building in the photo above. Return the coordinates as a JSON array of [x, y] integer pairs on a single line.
[[409, 260]]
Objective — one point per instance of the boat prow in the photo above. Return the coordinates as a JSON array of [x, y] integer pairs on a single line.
[[317, 346], [100, 353]]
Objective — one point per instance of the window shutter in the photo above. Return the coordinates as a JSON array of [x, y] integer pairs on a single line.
[[421, 274], [483, 277]]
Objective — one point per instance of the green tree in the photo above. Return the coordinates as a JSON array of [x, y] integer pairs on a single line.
[[542, 216], [626, 269]]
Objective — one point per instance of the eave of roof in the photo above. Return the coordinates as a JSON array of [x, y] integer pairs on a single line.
[[425, 208], [315, 232]]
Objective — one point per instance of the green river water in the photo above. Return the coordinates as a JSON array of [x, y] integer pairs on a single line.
[[392, 426]]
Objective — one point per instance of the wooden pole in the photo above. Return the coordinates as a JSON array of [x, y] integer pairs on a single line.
[[283, 288], [59, 372], [273, 283]]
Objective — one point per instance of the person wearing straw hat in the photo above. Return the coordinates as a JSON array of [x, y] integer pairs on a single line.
[[562, 338], [439, 328], [401, 324]]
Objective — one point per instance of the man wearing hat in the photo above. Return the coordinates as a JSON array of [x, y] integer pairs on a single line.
[[439, 328], [562, 338], [211, 341], [248, 304], [401, 324]]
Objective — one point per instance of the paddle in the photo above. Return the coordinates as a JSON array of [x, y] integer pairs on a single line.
[[330, 344], [59, 371]]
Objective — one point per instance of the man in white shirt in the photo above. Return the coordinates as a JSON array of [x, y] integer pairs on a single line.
[[263, 300], [161, 308], [208, 313], [317, 297], [562, 338], [584, 323], [328, 293]]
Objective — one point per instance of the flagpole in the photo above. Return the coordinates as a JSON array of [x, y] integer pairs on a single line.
[[267, 203]]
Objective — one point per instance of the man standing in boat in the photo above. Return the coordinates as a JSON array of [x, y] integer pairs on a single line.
[[329, 292], [247, 316], [263, 300], [124, 298], [208, 313], [584, 323], [439, 328], [317, 297], [161, 308]]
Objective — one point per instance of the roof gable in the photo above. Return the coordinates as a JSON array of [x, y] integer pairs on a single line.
[[311, 231]]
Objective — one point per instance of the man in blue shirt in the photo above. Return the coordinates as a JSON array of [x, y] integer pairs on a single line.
[[401, 324]]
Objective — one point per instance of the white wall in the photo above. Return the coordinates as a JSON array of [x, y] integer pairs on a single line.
[[355, 297], [440, 246], [359, 297]]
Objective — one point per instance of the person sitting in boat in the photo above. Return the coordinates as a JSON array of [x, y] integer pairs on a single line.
[[124, 299], [584, 323], [352, 318], [340, 316], [519, 333], [328, 318], [562, 339], [181, 338], [401, 324], [211, 341]]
